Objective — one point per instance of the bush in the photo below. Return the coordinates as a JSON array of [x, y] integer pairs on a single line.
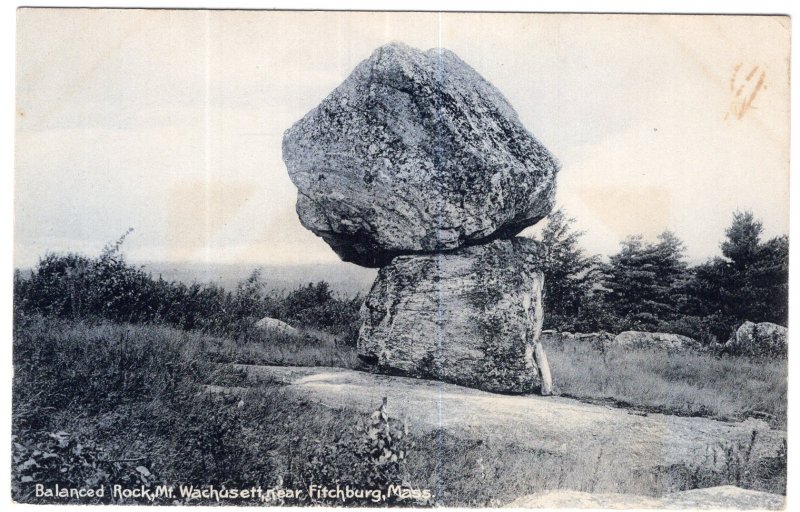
[[370, 455], [72, 286], [314, 305], [59, 458]]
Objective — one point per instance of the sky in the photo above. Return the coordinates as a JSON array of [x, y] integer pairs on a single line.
[[171, 122]]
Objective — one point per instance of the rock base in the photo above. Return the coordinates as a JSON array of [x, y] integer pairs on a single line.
[[471, 317]]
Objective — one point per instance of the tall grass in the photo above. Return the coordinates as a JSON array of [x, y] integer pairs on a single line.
[[305, 349], [686, 383], [127, 404]]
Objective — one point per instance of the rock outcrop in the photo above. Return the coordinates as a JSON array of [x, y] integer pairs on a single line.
[[655, 340], [597, 340], [726, 497], [415, 152], [627, 339], [471, 317], [596, 445], [759, 339]]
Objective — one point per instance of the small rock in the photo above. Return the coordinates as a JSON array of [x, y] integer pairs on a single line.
[[654, 340], [275, 326], [759, 339]]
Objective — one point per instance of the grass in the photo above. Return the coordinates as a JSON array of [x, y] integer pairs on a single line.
[[310, 348], [120, 404], [684, 383]]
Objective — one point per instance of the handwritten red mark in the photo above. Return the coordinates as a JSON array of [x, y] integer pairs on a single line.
[[745, 84]]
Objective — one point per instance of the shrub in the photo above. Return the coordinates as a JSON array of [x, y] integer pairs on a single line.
[[315, 305], [108, 288], [371, 455], [60, 458]]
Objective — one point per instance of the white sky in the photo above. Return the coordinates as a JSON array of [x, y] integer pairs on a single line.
[[171, 121]]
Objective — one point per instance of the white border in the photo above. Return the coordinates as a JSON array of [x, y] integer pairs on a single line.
[[7, 117]]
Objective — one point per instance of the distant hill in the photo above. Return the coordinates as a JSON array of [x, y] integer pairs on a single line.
[[344, 278]]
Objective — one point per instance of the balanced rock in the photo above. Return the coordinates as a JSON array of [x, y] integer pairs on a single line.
[[471, 317], [415, 152], [759, 339]]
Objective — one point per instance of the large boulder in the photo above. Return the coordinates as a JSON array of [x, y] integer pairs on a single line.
[[471, 317], [759, 339], [415, 152], [654, 340]]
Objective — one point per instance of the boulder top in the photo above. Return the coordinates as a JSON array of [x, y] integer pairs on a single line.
[[396, 61], [415, 152]]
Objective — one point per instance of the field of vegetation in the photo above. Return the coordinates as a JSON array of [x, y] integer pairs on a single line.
[[114, 367], [107, 403], [689, 383]]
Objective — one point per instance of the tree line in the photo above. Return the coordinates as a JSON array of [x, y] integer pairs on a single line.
[[649, 286], [107, 287]]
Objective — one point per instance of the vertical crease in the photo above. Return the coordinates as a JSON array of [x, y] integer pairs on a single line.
[[207, 140], [438, 153]]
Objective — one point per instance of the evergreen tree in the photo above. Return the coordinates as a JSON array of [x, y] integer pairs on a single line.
[[743, 240], [646, 282], [570, 275], [751, 281]]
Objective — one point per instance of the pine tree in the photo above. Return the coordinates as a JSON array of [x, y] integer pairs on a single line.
[[743, 240], [646, 282], [750, 282], [570, 275]]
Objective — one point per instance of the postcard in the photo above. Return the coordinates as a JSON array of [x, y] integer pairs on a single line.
[[406, 259]]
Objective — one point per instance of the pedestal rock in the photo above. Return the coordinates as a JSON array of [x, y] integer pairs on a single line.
[[415, 152], [470, 317]]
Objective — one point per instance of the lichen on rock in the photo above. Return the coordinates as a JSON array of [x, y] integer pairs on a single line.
[[470, 317], [415, 152]]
